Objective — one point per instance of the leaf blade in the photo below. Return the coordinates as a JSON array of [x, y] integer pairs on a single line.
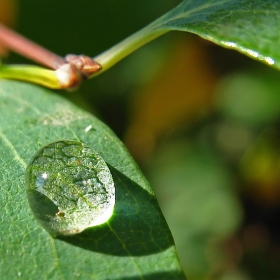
[[31, 117], [250, 27]]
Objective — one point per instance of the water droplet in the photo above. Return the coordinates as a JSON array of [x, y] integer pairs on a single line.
[[69, 188]]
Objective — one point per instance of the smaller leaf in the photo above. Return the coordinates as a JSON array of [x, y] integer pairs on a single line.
[[250, 27]]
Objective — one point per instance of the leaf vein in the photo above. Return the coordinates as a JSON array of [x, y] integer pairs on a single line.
[[13, 150]]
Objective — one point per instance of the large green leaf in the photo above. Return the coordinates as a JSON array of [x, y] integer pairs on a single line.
[[134, 244]]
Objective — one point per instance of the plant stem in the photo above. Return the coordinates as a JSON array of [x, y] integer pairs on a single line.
[[113, 55], [23, 46], [74, 74], [69, 72], [33, 74]]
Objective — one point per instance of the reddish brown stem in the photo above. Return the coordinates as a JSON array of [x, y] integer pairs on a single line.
[[70, 71], [23, 46]]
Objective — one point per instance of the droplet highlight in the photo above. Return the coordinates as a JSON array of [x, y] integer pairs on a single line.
[[69, 187]]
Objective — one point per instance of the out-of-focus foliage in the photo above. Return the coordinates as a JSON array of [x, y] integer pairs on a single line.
[[7, 16], [251, 97], [175, 96], [197, 194]]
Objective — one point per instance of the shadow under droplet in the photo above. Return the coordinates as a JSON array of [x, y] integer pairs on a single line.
[[136, 228], [43, 209]]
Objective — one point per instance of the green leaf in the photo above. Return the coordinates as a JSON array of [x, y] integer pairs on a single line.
[[250, 27], [134, 244]]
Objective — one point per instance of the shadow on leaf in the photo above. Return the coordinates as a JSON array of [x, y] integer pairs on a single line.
[[136, 228], [174, 275]]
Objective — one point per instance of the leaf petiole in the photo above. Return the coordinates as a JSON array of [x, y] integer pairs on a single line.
[[33, 74], [72, 69], [69, 71], [113, 55]]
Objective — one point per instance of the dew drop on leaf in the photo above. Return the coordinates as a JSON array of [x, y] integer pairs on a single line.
[[69, 187]]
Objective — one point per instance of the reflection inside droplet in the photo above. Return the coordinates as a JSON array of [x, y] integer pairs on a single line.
[[41, 180], [69, 187]]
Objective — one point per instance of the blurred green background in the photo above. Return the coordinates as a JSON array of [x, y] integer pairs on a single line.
[[201, 121]]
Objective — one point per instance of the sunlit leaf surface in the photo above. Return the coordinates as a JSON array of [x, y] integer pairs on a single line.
[[135, 243]]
